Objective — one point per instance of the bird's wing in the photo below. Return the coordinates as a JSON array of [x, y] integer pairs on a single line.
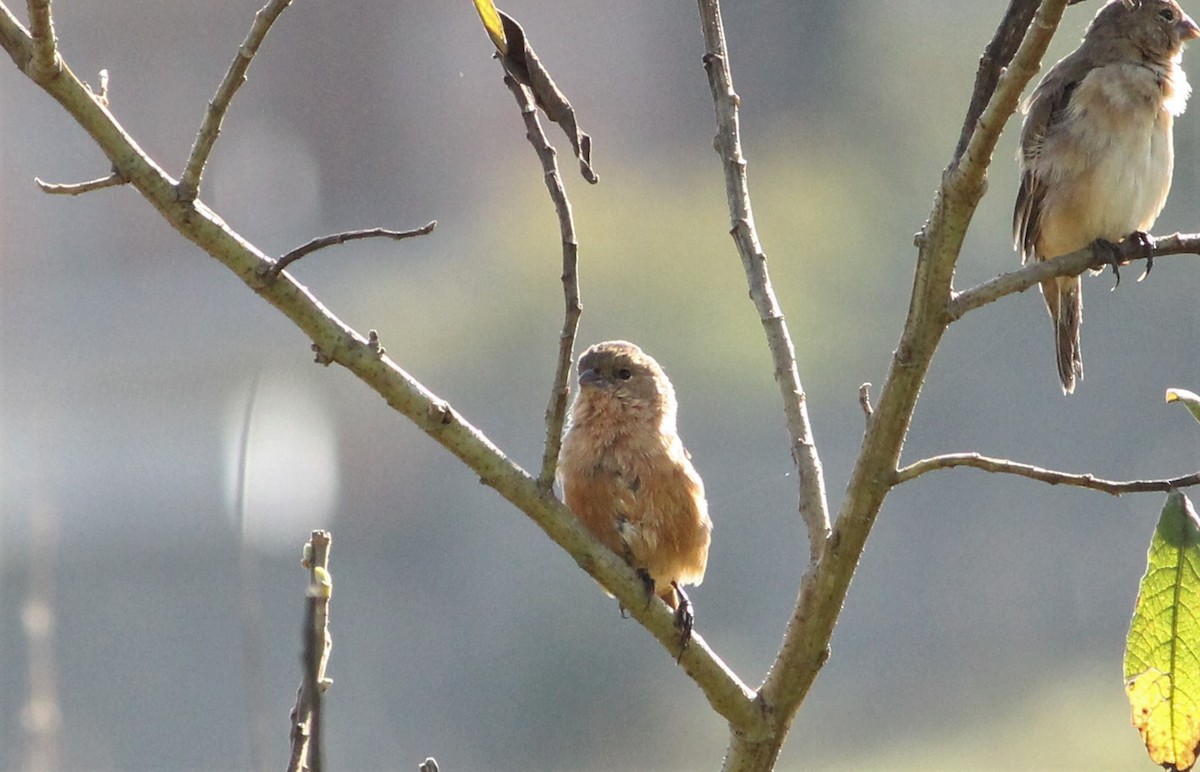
[[1045, 111]]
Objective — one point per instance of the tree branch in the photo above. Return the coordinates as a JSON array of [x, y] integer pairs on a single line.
[[336, 342], [306, 715], [334, 239], [1071, 264], [556, 409], [210, 128], [996, 56], [43, 63], [823, 589], [1050, 476], [813, 506], [77, 188]]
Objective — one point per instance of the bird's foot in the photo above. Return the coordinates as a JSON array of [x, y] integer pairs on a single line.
[[1146, 242], [685, 620], [647, 583], [1106, 253]]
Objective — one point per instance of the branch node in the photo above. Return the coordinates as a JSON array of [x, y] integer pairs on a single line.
[[320, 357], [374, 344], [864, 399], [440, 413]]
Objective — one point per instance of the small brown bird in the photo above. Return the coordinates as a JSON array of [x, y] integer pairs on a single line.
[[1097, 151], [625, 474]]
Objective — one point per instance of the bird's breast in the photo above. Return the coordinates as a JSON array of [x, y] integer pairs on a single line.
[[1108, 163]]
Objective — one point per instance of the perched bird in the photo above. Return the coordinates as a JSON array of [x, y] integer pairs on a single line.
[[1097, 151], [625, 474]]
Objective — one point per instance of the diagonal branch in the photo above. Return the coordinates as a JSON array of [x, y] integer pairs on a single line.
[[1050, 476], [556, 410], [814, 508], [336, 342], [210, 129], [1071, 264]]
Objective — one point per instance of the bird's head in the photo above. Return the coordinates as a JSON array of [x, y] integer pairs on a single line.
[[1156, 29]]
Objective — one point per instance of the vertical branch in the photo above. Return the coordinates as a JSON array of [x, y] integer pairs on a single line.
[[42, 64], [556, 410], [306, 715], [189, 183], [812, 504]]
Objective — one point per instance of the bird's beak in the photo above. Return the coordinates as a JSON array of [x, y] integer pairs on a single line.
[[591, 377], [1187, 28]]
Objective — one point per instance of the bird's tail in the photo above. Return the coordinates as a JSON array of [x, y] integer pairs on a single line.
[[1064, 301]]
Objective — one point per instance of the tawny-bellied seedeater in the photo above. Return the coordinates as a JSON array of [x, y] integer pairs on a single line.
[[625, 474], [1097, 150]]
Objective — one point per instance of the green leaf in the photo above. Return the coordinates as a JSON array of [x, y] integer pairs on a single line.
[[1162, 653], [1190, 400], [491, 22]]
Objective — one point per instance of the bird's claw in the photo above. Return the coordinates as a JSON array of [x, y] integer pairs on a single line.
[[1146, 242], [1106, 253], [685, 620], [647, 583]]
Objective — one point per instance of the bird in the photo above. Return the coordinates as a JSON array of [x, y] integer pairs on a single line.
[[626, 476], [1096, 150]]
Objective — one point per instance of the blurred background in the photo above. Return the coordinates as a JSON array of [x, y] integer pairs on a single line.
[[985, 627]]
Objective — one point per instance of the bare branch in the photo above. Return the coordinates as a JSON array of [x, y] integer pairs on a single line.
[[334, 239], [210, 129], [556, 409], [306, 715], [813, 506], [996, 56], [76, 188], [43, 64], [1050, 476], [1071, 264], [823, 589]]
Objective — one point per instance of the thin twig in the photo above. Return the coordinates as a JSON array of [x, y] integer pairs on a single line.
[[1051, 476], [334, 239], [189, 184], [556, 409], [814, 509], [42, 64], [306, 715], [1071, 264], [76, 188]]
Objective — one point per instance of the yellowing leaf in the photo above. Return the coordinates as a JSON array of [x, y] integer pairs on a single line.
[[493, 25], [1162, 652], [1190, 400]]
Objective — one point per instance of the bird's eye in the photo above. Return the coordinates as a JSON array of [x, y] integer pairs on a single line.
[[1167, 14], [624, 374]]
